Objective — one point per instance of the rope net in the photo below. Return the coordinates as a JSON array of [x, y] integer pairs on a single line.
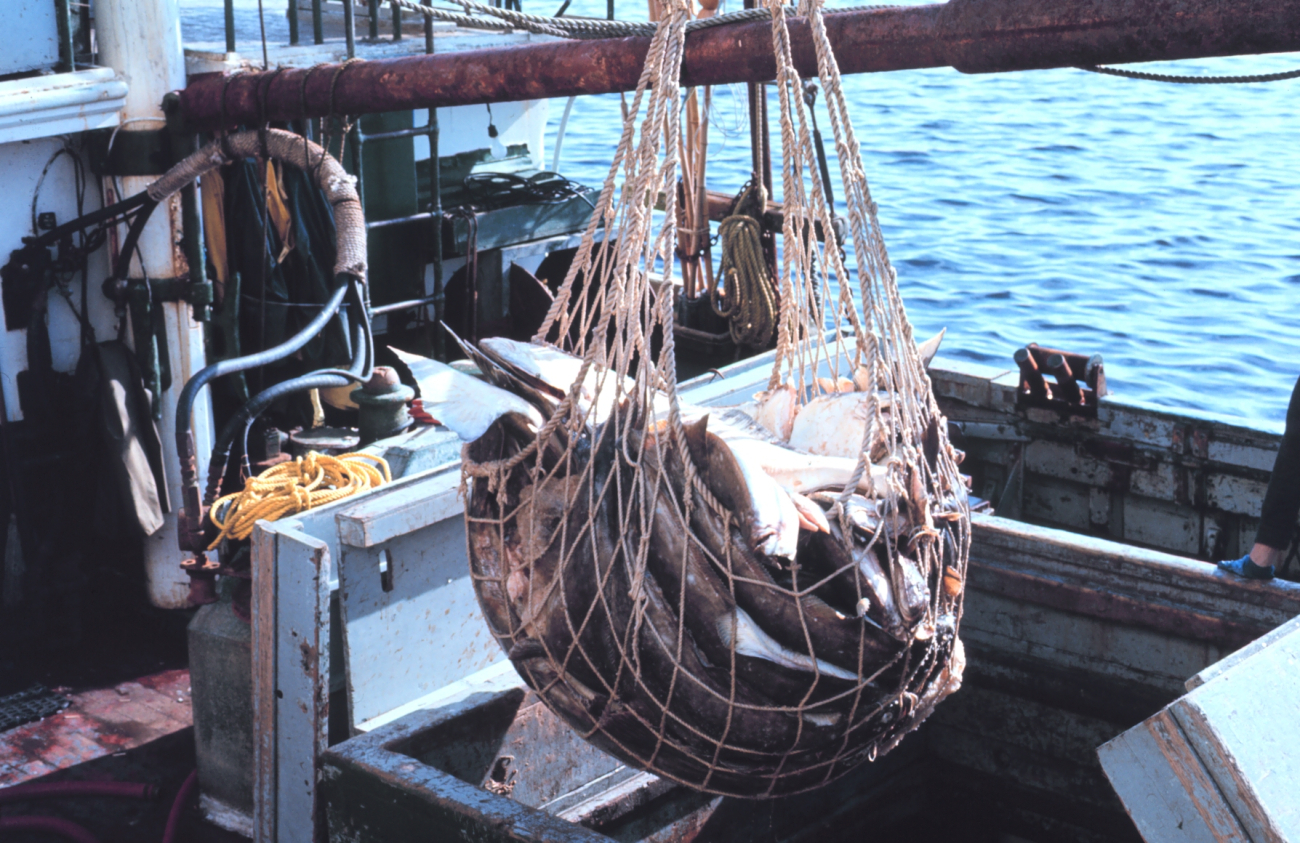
[[753, 600]]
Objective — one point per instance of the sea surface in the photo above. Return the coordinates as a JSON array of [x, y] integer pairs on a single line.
[[1155, 224]]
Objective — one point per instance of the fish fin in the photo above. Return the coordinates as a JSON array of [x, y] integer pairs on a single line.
[[468, 405], [697, 440], [810, 514], [526, 648], [928, 349], [738, 630], [488, 347], [930, 445], [488, 367]]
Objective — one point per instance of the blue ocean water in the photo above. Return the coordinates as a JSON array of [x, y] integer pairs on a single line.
[[1156, 224]]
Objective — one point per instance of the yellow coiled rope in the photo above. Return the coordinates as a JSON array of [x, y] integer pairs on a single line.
[[293, 487]]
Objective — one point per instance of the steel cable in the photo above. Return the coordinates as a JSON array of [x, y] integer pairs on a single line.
[[585, 28], [1191, 80]]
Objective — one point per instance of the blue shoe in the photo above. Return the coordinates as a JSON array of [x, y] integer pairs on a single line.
[[1243, 567]]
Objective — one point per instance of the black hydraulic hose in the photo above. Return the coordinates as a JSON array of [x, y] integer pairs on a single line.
[[123, 267], [359, 371], [185, 404], [81, 223]]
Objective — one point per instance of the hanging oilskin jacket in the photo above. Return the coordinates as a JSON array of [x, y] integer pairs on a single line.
[[130, 495]]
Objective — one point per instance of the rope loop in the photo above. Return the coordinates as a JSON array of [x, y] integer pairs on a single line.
[[296, 486]]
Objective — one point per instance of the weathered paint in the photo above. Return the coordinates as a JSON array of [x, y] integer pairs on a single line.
[[99, 722], [291, 661], [61, 103], [974, 36], [1220, 762], [1071, 638], [120, 27], [1189, 809]]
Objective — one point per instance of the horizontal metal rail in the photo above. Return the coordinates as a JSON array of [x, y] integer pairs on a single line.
[[973, 36]]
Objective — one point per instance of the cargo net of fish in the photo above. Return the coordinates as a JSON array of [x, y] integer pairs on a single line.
[[752, 600]]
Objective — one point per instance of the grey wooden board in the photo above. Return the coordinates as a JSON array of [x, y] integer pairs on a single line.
[[1162, 579], [416, 504], [425, 448], [1228, 751], [291, 628], [1165, 787], [1244, 727], [427, 631], [1244, 653]]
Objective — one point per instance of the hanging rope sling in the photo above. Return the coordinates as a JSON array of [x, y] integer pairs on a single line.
[[721, 596]]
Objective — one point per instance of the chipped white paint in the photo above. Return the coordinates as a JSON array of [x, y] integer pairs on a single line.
[[121, 26], [1220, 763], [60, 104]]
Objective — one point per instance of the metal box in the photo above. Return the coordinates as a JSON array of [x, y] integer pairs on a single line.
[[497, 765]]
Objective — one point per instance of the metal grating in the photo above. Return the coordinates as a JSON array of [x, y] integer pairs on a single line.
[[35, 703]]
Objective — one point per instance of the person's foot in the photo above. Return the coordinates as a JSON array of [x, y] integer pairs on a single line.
[[1243, 567]]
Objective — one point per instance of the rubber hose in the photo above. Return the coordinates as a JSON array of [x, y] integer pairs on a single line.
[[53, 825], [360, 370], [56, 790], [81, 223], [123, 268], [185, 405], [339, 190], [178, 805]]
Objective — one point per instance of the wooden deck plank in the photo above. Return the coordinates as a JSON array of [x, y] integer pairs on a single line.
[[100, 722]]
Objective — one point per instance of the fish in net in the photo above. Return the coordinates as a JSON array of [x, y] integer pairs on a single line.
[[753, 600]]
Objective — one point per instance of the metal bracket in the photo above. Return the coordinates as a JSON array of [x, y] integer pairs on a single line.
[[180, 288], [142, 153], [1066, 394]]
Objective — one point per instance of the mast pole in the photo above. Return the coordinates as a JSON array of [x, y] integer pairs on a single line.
[[141, 40]]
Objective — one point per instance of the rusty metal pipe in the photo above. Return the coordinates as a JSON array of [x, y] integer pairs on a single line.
[[974, 36]]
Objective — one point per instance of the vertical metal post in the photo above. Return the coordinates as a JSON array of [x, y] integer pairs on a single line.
[[84, 27], [759, 141], [609, 9], [67, 52], [317, 24], [374, 19], [350, 27], [435, 195], [230, 26], [184, 143], [121, 27], [293, 22], [397, 21]]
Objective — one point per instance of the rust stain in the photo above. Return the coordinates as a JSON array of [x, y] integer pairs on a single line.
[[99, 722], [310, 659], [975, 37]]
